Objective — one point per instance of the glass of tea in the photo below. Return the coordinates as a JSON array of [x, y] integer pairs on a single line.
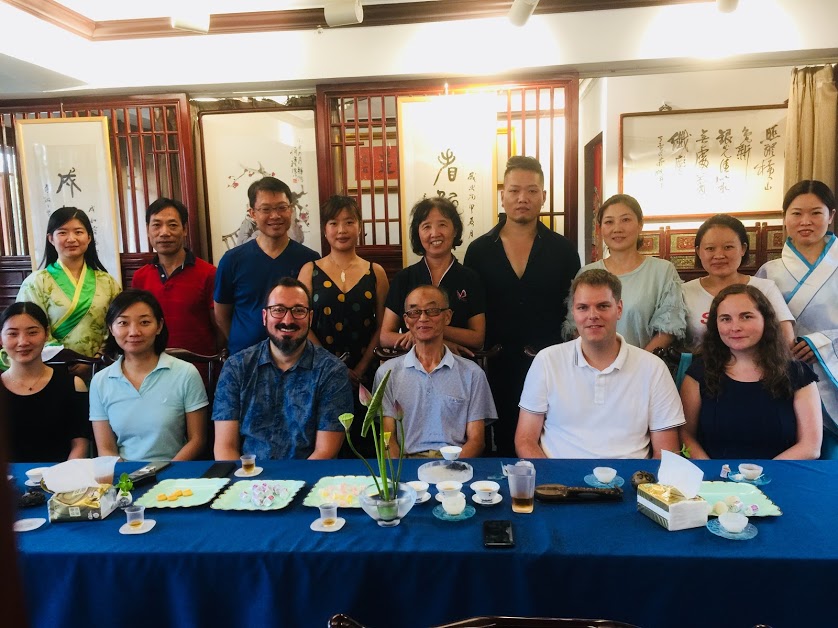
[[248, 463], [136, 515], [521, 487], [328, 514]]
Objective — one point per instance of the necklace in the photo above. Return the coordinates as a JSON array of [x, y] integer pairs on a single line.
[[342, 270], [35, 383]]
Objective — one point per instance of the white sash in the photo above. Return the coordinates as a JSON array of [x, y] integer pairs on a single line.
[[809, 279]]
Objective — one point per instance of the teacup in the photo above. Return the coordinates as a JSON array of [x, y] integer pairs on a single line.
[[449, 488], [605, 475], [36, 475], [420, 487], [451, 452], [733, 522], [454, 504], [750, 471], [485, 491]]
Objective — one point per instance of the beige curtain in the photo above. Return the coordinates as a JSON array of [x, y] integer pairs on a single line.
[[811, 128]]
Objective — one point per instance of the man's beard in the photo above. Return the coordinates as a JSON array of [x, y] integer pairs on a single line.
[[287, 346]]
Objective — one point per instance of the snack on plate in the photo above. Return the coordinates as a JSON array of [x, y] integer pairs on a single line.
[[161, 497], [341, 494], [262, 494], [187, 492]]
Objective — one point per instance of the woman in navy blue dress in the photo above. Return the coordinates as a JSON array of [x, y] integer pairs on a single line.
[[745, 396]]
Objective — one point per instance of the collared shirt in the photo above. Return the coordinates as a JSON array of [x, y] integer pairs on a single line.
[[466, 295], [600, 414], [528, 310], [149, 423], [280, 412], [186, 297], [438, 406]]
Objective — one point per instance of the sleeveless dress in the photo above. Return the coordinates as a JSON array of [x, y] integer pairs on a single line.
[[344, 322]]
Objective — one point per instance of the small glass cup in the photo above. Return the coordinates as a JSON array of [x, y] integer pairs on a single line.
[[248, 463], [135, 515], [328, 514]]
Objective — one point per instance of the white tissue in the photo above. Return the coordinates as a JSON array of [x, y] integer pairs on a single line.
[[82, 473], [680, 473]]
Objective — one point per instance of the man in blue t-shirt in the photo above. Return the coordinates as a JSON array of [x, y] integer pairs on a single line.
[[247, 272]]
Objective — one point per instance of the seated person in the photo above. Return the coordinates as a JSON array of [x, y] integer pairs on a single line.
[[281, 398], [745, 397], [147, 405], [435, 230], [46, 407], [445, 398], [597, 396]]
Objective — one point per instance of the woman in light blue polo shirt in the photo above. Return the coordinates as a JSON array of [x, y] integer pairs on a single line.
[[148, 405]]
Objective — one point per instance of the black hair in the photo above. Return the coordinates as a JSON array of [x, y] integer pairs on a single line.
[[267, 184], [335, 205], [289, 282], [58, 219], [122, 302], [25, 307], [162, 203], [421, 211], [520, 162], [724, 220], [810, 186]]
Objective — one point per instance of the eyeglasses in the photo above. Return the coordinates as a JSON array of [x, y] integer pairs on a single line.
[[279, 311], [267, 211], [433, 312]]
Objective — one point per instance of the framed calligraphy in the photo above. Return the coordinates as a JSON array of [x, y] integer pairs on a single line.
[[696, 163], [372, 163], [66, 162], [240, 147]]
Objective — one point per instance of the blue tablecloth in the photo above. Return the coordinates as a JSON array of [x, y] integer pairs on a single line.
[[202, 567]]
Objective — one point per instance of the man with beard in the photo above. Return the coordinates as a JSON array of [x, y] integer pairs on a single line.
[[246, 272], [281, 398]]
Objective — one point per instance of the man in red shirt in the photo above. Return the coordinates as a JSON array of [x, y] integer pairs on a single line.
[[181, 282]]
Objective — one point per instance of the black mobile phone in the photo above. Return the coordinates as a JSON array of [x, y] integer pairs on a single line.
[[148, 472], [220, 470], [498, 533]]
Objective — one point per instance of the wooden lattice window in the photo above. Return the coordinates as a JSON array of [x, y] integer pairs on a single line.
[[360, 154], [151, 149]]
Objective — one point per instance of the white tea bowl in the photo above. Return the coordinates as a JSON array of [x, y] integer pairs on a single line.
[[449, 488], [455, 504], [733, 522], [36, 474], [605, 475], [420, 487], [485, 490], [750, 471], [450, 452]]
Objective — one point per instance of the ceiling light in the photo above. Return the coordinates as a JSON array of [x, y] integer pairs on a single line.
[[521, 10], [727, 6], [343, 12], [198, 23]]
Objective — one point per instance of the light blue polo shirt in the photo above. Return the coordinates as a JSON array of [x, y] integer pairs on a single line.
[[438, 406], [150, 423]]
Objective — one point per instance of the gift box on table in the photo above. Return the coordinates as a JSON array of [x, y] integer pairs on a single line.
[[667, 506], [83, 504]]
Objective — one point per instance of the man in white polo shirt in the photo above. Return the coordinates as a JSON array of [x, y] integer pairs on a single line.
[[597, 396]]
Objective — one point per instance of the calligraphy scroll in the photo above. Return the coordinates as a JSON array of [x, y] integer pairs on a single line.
[[704, 161], [447, 148], [66, 162], [242, 147]]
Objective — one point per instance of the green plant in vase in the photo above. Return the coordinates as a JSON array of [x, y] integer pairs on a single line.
[[124, 485], [385, 477]]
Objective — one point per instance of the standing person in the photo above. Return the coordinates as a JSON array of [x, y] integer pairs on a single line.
[[721, 243], [598, 396], [807, 275], [744, 396], [526, 269], [348, 295], [435, 230], [654, 314], [247, 272], [74, 288], [181, 283], [147, 405], [47, 407]]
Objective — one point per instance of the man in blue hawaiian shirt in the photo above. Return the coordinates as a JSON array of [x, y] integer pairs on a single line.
[[281, 398]]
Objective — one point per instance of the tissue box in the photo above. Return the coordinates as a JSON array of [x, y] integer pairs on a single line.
[[666, 505], [84, 504]]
